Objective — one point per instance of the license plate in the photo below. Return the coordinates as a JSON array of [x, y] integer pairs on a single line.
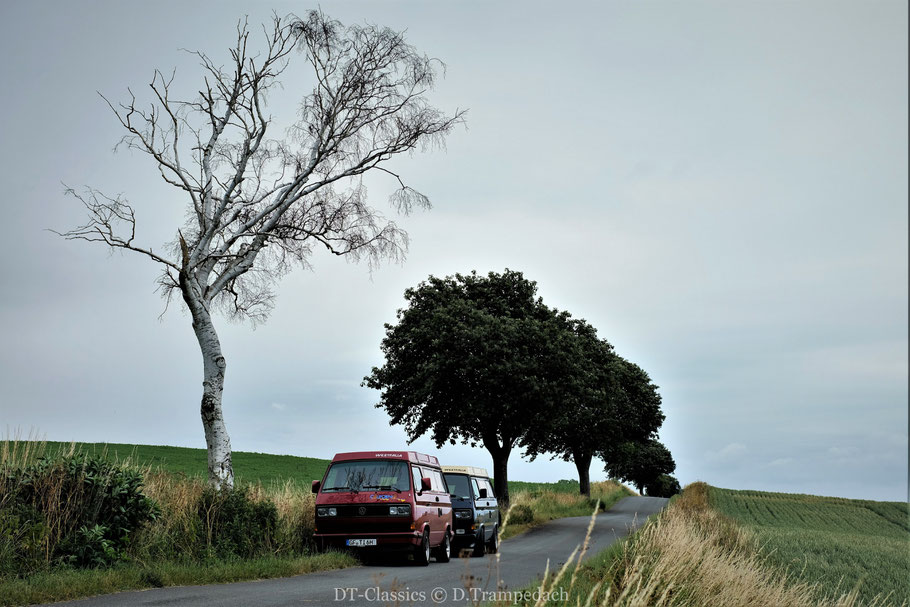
[[360, 542]]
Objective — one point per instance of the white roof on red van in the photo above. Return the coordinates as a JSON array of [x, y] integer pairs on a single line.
[[408, 456]]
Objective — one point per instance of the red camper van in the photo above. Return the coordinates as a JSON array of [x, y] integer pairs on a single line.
[[384, 501]]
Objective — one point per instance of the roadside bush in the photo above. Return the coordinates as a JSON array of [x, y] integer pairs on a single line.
[[235, 525], [76, 509], [521, 514], [22, 533], [663, 486]]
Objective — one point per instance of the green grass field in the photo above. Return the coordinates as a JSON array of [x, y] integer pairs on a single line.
[[833, 542], [561, 486], [248, 467]]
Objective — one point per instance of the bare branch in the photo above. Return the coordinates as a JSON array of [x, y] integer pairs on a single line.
[[107, 219], [259, 206]]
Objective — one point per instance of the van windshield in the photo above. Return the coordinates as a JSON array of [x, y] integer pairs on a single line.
[[458, 485], [357, 476]]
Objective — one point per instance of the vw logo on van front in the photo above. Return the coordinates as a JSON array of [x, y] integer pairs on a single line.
[[362, 510]]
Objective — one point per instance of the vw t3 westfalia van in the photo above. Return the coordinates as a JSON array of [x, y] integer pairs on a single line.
[[377, 501], [476, 510]]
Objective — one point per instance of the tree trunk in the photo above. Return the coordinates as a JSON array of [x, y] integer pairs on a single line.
[[218, 443], [583, 465], [500, 455], [501, 477]]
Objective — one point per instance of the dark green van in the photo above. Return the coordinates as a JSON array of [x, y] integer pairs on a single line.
[[476, 510]]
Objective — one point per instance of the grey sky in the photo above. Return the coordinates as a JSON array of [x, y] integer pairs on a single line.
[[720, 188]]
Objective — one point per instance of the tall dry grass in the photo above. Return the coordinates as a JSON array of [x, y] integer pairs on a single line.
[[16, 452], [179, 530], [694, 556]]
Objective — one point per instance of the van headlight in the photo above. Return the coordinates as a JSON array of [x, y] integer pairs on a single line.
[[464, 514], [326, 512], [400, 510]]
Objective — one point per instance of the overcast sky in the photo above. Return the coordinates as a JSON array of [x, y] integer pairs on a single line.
[[720, 188]]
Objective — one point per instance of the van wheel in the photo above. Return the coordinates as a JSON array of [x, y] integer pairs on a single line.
[[479, 543], [422, 552], [444, 551], [493, 545]]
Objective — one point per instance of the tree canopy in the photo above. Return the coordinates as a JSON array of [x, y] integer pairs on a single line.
[[482, 360], [473, 359], [604, 400], [663, 486], [638, 462]]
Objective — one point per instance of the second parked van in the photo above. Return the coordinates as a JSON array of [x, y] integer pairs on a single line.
[[476, 509], [377, 501]]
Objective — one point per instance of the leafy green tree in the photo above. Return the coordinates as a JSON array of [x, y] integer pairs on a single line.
[[638, 462], [604, 400], [663, 486], [475, 359], [586, 413]]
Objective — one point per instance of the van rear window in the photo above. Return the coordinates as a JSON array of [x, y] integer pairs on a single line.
[[367, 475]]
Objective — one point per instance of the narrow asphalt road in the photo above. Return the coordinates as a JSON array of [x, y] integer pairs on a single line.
[[523, 559]]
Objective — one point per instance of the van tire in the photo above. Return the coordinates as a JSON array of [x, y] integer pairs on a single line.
[[493, 544], [444, 550], [422, 552], [479, 543]]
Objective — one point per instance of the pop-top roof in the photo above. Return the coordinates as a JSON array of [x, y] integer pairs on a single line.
[[408, 456], [471, 470]]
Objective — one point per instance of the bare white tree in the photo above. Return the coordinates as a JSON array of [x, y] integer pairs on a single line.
[[258, 205]]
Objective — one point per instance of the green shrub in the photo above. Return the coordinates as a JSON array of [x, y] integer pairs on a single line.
[[521, 514], [22, 537], [234, 525], [91, 547], [79, 510]]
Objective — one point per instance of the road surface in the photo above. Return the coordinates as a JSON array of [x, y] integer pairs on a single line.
[[523, 559]]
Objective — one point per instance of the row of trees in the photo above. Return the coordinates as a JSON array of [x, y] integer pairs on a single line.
[[476, 359], [482, 360]]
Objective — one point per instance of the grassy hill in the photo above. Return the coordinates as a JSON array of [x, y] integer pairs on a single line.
[[248, 467], [265, 468], [829, 541]]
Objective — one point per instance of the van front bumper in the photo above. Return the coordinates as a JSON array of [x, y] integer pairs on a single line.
[[384, 541], [464, 538]]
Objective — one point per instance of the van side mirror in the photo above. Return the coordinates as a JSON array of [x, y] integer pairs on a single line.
[[425, 484], [316, 485], [483, 493]]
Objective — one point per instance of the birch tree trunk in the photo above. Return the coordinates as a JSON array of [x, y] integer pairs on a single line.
[[218, 443]]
